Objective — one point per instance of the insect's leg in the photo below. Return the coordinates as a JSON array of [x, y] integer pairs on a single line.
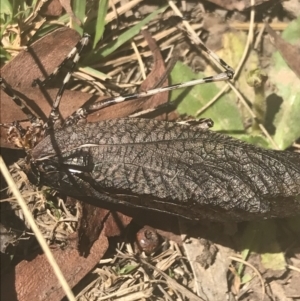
[[84, 111], [18, 101], [203, 123], [16, 134], [54, 115], [77, 48], [228, 70]]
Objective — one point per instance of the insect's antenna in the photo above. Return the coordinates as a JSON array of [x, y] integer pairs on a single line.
[[18, 101], [84, 111], [213, 56], [54, 115], [228, 70]]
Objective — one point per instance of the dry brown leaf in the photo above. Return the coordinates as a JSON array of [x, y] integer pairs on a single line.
[[66, 4], [288, 51], [51, 8], [38, 61], [35, 280]]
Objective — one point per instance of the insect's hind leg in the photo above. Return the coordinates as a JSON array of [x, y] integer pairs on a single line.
[[71, 55], [16, 134], [18, 101]]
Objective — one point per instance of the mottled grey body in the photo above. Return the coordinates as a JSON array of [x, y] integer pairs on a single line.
[[164, 166]]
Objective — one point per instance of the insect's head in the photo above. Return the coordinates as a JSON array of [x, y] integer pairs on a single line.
[[50, 171], [41, 172], [37, 171]]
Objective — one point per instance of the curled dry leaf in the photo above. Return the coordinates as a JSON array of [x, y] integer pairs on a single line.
[[51, 8], [93, 220], [38, 61]]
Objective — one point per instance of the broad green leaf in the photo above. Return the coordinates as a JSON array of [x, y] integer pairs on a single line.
[[261, 237], [272, 256], [287, 86], [232, 52], [224, 112], [274, 260], [257, 140]]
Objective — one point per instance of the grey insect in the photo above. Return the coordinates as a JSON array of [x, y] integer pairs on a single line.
[[182, 169]]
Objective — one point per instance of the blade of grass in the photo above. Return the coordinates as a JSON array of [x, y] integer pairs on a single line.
[[100, 24], [123, 38], [95, 73], [79, 7]]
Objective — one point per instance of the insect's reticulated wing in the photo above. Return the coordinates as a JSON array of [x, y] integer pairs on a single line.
[[171, 167]]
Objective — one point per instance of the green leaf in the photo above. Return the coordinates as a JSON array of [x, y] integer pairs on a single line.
[[224, 112], [288, 88], [261, 237], [6, 8], [100, 24], [254, 139], [272, 256], [274, 260]]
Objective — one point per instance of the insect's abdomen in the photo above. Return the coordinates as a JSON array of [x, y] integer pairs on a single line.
[[178, 169]]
